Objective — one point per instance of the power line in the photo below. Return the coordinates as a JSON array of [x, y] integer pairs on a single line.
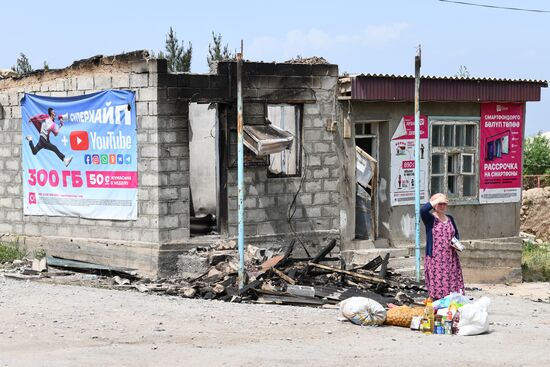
[[495, 6]]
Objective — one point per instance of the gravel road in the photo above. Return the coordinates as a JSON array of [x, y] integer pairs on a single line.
[[64, 325]]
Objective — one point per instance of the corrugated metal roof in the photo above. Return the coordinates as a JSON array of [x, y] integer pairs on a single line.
[[377, 87]]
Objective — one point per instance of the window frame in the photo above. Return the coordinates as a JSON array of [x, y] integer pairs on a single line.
[[297, 144], [447, 151]]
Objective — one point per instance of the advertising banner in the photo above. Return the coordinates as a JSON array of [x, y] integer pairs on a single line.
[[501, 140], [80, 155], [402, 162]]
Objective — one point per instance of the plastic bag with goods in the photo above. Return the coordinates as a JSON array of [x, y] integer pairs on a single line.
[[458, 298], [474, 318], [362, 311], [402, 315]]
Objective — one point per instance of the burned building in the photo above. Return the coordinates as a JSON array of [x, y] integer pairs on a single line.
[[321, 162], [289, 193]]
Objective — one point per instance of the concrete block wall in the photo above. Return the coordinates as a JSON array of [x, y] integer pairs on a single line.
[[162, 157], [173, 158], [267, 199]]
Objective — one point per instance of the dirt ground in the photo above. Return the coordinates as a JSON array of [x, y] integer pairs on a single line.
[[66, 325], [534, 213]]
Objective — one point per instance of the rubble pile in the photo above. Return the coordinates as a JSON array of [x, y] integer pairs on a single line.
[[313, 60], [270, 277], [280, 278]]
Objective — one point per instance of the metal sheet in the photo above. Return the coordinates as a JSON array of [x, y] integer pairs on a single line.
[[401, 88]]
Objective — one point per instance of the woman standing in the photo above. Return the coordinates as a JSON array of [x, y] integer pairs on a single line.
[[442, 270]]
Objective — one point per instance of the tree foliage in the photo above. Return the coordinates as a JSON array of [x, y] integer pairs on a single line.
[[22, 66], [536, 155], [217, 52], [176, 54], [463, 72]]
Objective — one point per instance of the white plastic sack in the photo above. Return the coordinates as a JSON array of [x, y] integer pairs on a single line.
[[474, 318], [362, 311]]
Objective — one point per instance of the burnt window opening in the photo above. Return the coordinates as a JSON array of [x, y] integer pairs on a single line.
[[453, 159], [287, 163]]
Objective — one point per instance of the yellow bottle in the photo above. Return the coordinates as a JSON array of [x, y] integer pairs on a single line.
[[429, 315]]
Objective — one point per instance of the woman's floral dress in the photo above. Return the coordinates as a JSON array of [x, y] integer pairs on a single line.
[[442, 270]]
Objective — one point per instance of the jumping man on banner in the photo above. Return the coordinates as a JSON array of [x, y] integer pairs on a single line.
[[45, 124]]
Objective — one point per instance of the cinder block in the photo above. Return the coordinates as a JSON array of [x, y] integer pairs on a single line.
[[170, 164], [102, 81], [313, 186], [330, 185], [148, 179], [14, 216], [312, 211], [330, 160], [321, 147], [169, 221], [121, 80], [330, 211], [266, 202], [13, 164], [147, 94], [267, 228], [14, 190], [149, 151], [275, 187], [321, 173], [313, 160], [85, 82], [142, 108], [168, 137], [250, 202], [321, 198], [177, 179], [168, 193], [149, 208], [305, 199], [139, 80]]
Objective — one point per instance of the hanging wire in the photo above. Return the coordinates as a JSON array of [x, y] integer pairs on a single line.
[[495, 6]]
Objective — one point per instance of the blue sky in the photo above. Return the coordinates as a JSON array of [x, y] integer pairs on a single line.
[[360, 36]]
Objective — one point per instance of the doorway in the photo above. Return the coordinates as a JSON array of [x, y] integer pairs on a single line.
[[203, 163], [366, 203]]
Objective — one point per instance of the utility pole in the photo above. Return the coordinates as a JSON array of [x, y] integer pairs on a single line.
[[417, 183], [240, 166]]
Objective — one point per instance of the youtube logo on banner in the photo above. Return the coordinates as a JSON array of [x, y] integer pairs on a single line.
[[79, 140]]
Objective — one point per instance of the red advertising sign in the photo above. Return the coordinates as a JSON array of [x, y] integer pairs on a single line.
[[501, 140]]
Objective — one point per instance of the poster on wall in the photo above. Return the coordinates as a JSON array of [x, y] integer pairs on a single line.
[[402, 162], [501, 140], [80, 155]]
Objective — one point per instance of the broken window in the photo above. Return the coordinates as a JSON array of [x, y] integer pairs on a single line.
[[453, 159], [287, 118]]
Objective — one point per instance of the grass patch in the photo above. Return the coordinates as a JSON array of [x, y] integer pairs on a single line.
[[10, 252], [535, 262]]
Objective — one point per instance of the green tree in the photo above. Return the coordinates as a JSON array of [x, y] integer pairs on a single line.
[[176, 54], [463, 72], [536, 155], [217, 52], [46, 66], [22, 66]]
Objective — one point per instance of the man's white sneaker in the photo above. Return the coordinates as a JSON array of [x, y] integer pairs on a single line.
[[28, 137], [67, 161]]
